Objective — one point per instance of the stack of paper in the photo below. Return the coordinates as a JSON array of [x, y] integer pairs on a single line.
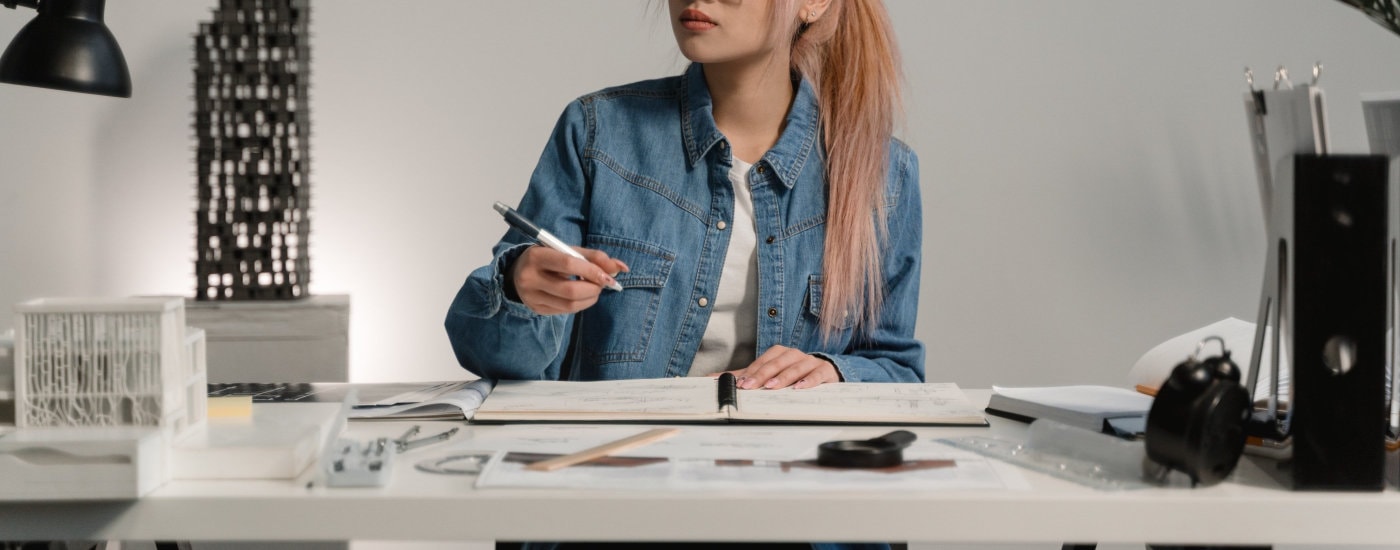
[[1097, 408]]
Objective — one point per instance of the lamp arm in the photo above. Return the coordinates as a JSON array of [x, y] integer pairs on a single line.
[[26, 3]]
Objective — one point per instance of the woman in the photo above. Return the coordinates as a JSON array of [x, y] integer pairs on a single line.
[[756, 209]]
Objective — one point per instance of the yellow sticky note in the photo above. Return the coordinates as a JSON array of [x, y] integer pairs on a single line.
[[232, 406]]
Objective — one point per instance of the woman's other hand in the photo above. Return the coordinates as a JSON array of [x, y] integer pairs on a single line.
[[780, 367], [551, 282]]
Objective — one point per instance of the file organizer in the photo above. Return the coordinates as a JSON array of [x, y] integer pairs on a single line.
[[1285, 121], [1328, 293], [1382, 115]]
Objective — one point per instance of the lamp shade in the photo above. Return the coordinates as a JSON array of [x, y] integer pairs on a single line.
[[67, 47]]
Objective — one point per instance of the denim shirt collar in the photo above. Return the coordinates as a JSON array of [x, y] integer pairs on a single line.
[[787, 157]]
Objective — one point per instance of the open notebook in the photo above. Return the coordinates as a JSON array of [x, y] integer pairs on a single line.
[[707, 399]]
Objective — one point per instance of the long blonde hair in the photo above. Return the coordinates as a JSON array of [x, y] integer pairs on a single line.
[[850, 56]]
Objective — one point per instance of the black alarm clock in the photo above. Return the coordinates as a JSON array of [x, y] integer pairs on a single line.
[[1197, 421]]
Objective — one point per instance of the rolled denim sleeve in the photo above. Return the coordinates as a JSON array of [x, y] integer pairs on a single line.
[[891, 353], [492, 335]]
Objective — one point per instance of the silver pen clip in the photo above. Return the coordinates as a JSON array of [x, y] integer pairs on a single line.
[[410, 433], [404, 444]]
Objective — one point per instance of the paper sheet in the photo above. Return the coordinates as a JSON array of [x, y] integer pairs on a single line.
[[459, 401], [417, 395], [928, 466], [1155, 365], [698, 442]]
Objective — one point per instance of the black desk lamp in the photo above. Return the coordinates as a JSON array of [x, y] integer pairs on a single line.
[[66, 47]]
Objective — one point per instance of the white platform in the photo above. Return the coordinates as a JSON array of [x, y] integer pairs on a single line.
[[305, 340], [279, 441], [81, 463]]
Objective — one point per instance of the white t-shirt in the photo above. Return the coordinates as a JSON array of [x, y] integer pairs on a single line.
[[732, 334]]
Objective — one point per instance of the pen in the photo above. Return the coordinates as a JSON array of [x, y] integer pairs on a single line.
[[523, 225]]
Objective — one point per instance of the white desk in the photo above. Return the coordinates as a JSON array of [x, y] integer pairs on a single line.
[[1251, 509]]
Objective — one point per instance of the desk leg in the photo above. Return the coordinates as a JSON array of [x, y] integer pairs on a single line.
[[1204, 547], [683, 545]]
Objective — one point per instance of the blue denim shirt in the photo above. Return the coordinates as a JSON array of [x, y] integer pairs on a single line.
[[641, 172]]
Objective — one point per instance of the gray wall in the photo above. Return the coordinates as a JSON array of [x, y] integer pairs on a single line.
[[1088, 185]]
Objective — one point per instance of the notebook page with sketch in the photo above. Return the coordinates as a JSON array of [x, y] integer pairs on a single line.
[[717, 399], [873, 403], [645, 399]]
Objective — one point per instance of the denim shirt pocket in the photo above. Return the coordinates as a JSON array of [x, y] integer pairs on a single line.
[[618, 328], [807, 324]]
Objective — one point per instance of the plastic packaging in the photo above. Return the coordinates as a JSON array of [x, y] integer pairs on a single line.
[[1075, 454]]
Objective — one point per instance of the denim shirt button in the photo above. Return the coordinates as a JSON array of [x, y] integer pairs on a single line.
[[772, 312], [769, 240], [721, 225], [703, 302]]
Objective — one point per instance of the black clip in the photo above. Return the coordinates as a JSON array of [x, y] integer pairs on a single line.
[[881, 452]]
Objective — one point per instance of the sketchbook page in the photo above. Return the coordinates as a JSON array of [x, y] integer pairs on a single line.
[[1156, 365], [458, 402], [861, 403], [686, 398]]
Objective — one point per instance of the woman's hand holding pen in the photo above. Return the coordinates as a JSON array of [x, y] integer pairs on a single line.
[[551, 282], [780, 367]]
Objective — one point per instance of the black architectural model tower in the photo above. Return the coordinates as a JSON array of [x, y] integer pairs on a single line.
[[251, 78]]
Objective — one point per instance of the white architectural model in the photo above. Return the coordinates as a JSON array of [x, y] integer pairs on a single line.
[[115, 362], [96, 378]]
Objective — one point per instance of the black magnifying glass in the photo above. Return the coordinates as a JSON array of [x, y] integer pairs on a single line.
[[881, 452]]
